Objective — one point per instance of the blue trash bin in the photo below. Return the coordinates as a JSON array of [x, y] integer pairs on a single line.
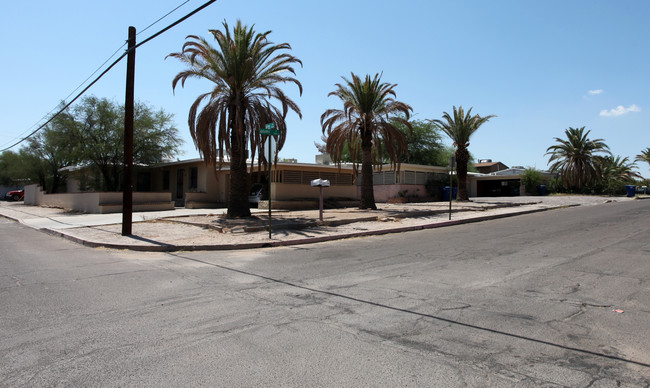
[[631, 190], [541, 190], [445, 193]]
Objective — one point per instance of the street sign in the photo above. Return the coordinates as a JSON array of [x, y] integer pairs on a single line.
[[272, 132], [269, 129]]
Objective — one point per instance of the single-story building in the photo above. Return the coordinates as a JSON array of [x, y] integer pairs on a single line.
[[194, 184]]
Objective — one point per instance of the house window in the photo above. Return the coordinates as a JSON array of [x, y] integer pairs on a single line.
[[194, 177], [143, 182], [165, 180]]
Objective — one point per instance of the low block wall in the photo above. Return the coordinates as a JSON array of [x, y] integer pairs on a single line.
[[202, 201], [384, 192], [97, 202], [303, 204]]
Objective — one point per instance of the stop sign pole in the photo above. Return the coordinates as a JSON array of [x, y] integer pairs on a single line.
[[269, 130], [452, 164]]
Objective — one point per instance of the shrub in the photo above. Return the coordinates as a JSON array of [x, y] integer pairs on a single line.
[[531, 179]]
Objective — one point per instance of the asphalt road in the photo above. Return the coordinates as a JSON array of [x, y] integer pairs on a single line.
[[523, 301]]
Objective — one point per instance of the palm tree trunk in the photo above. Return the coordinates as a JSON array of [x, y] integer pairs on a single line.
[[367, 186], [462, 158], [238, 205]]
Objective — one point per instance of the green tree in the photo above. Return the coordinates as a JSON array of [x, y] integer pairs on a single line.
[[531, 179], [644, 156], [615, 173], [424, 144], [577, 158], [246, 69], [12, 169], [99, 131], [460, 128], [366, 125], [49, 151]]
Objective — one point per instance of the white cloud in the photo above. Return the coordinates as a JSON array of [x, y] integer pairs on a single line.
[[620, 110], [596, 92]]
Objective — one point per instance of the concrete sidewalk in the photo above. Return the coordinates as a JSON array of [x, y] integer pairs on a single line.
[[208, 229]]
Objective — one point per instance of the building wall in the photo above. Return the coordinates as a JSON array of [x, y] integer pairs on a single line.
[[384, 192], [96, 202], [287, 192]]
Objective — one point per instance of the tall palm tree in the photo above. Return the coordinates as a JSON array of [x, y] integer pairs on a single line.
[[246, 69], [577, 158], [460, 128], [644, 156], [365, 127]]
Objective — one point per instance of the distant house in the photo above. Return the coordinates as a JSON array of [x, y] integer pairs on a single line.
[[498, 180], [486, 166]]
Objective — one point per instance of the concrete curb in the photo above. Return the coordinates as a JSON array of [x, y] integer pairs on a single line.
[[272, 244]]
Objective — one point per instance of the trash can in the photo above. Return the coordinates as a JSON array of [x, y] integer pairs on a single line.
[[631, 190], [541, 190], [445, 193]]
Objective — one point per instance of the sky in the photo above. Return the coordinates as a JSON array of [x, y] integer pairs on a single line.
[[539, 66]]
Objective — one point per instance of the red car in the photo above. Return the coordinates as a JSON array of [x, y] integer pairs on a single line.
[[15, 195]]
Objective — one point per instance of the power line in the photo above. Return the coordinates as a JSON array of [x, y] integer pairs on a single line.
[[175, 23], [68, 96], [111, 66], [167, 14]]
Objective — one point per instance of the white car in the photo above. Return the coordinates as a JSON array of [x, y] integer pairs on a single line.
[[255, 194]]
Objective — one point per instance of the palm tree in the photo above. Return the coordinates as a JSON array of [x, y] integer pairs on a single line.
[[246, 69], [577, 158], [459, 129], [644, 156], [618, 169], [366, 127]]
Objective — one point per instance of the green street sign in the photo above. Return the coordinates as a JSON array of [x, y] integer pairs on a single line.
[[269, 126], [268, 131]]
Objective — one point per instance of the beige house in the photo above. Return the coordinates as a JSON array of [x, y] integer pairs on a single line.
[[193, 184]]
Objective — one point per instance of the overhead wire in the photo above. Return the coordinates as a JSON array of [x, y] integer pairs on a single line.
[[70, 94], [162, 17], [67, 105]]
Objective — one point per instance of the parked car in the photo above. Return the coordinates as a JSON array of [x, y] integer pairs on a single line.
[[15, 195], [255, 194]]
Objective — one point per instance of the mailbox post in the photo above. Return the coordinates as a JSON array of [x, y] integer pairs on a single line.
[[320, 183]]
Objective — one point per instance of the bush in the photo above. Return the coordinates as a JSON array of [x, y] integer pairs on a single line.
[[531, 179]]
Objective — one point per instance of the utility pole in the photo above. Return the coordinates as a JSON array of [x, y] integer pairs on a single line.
[[127, 194]]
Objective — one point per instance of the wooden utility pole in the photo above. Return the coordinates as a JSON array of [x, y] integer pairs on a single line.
[[127, 195]]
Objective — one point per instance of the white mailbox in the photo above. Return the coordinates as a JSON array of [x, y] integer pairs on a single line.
[[320, 182]]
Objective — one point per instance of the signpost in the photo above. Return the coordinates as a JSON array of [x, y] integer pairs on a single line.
[[452, 164], [269, 130]]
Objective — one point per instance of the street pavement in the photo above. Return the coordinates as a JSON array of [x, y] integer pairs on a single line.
[[209, 229], [558, 298]]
